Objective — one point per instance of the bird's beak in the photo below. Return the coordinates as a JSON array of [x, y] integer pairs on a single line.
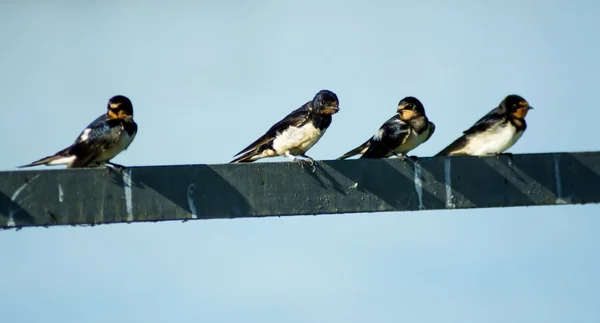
[[332, 109]]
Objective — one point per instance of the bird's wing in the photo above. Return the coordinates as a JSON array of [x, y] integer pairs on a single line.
[[456, 145], [486, 121], [431, 130], [62, 155], [297, 118], [95, 139], [356, 150], [483, 124], [390, 136]]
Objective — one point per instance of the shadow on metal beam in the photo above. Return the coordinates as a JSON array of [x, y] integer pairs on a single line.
[[162, 193]]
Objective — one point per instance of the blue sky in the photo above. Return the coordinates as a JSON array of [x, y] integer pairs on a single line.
[[207, 78]]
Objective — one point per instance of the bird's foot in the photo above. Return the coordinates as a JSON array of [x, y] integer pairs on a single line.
[[400, 156], [119, 166], [305, 160], [113, 166], [403, 158], [309, 161]]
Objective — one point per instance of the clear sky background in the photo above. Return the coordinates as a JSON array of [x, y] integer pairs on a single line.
[[206, 79]]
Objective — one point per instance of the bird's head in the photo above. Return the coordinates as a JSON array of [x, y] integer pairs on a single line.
[[119, 107], [410, 108], [325, 102], [516, 106]]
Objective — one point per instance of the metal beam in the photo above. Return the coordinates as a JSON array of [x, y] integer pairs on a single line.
[[160, 193]]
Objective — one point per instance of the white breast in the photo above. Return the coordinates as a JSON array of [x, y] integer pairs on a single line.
[[297, 140], [112, 151], [413, 141], [496, 140]]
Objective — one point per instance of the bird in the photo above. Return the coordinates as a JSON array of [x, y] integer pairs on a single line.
[[495, 133], [100, 141], [402, 133], [295, 134]]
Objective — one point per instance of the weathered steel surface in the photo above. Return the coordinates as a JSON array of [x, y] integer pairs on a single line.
[[95, 196]]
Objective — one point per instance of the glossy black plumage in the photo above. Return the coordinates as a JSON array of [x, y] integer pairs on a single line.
[[398, 135], [495, 132], [296, 133], [100, 141]]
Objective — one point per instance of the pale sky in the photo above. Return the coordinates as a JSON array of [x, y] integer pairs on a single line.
[[206, 79]]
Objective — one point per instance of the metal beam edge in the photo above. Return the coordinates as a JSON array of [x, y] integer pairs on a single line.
[[49, 197]]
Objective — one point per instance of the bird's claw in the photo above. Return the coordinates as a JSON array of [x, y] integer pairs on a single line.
[[113, 166], [403, 158], [119, 166], [308, 161]]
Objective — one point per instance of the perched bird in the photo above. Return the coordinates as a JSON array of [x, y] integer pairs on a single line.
[[400, 134], [495, 133], [295, 134], [102, 140]]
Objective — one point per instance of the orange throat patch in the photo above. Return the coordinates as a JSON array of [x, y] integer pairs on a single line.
[[520, 113], [119, 115], [329, 111], [407, 114]]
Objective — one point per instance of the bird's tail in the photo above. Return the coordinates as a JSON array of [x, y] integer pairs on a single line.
[[358, 150], [451, 149], [60, 158], [444, 152], [247, 157]]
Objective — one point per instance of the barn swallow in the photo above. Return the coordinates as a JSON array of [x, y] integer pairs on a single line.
[[102, 140], [295, 134], [402, 133], [495, 133]]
